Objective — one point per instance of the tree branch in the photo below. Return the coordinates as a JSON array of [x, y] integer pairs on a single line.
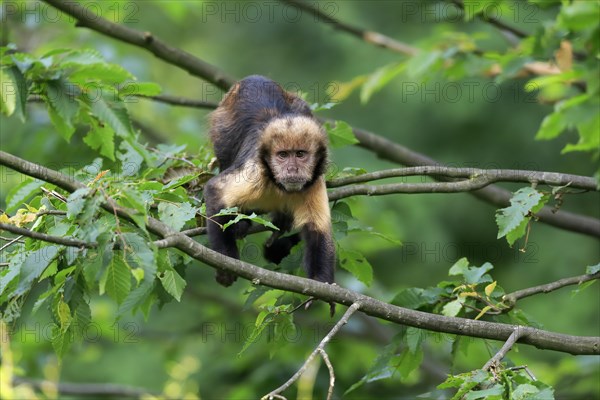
[[512, 339], [47, 238], [432, 187], [329, 293], [512, 298], [491, 194], [145, 40], [491, 175], [371, 37], [181, 101], [320, 349], [495, 22]]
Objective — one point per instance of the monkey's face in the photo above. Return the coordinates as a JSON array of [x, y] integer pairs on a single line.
[[294, 149], [292, 168]]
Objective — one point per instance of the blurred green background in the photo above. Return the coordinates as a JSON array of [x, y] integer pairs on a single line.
[[193, 346]]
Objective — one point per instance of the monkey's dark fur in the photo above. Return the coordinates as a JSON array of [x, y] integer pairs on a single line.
[[272, 153]]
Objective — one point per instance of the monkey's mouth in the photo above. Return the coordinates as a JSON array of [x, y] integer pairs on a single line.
[[293, 184]]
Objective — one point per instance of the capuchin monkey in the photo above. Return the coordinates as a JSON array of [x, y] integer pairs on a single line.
[[272, 154]]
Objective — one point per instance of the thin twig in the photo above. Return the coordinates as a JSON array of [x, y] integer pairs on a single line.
[[511, 298], [344, 320], [376, 38], [47, 238], [325, 358], [495, 22], [492, 175], [181, 101], [13, 241], [512, 339]]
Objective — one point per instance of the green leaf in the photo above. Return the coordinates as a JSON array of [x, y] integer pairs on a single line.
[[510, 219], [61, 96], [20, 193], [460, 267], [109, 109], [136, 298], [496, 390], [139, 89], [64, 315], [13, 92], [252, 217], [76, 202], [117, 280], [33, 266], [377, 80], [381, 368], [355, 263], [61, 340], [414, 338], [408, 362], [341, 135], [140, 253], [592, 269], [101, 137], [415, 298], [580, 15], [552, 126], [172, 282], [452, 308], [176, 215]]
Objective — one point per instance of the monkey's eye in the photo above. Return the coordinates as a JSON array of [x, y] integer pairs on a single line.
[[282, 154], [300, 154]]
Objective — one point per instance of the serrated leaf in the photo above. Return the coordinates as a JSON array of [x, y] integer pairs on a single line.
[[141, 254], [61, 340], [62, 95], [136, 297], [63, 312], [87, 67], [102, 138], [341, 135], [109, 109], [173, 283], [511, 218], [176, 215], [20, 193], [140, 89], [33, 266], [355, 263], [63, 127], [117, 282], [76, 202]]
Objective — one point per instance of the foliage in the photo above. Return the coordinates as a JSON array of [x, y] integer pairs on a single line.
[[121, 274]]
